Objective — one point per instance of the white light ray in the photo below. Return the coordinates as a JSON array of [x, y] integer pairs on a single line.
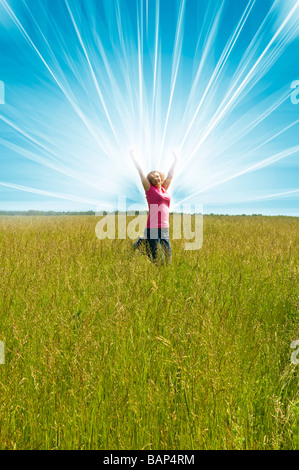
[[93, 73], [174, 72], [48, 162], [219, 67], [270, 196], [140, 64], [235, 136], [124, 66], [256, 166], [155, 58], [62, 88], [223, 109], [207, 48], [48, 193]]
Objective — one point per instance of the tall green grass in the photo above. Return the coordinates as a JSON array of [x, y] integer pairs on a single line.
[[104, 350]]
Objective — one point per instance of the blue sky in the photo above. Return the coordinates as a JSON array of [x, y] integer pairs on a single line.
[[85, 80]]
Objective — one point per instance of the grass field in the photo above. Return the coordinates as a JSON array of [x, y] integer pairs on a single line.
[[104, 350]]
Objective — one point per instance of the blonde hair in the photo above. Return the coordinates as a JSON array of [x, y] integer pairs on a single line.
[[150, 177]]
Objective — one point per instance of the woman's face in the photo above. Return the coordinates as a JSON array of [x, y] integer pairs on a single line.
[[156, 178]]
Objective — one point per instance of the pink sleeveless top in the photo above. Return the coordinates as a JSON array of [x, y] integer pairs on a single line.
[[158, 203]]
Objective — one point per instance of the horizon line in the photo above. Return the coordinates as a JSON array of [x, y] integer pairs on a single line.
[[36, 212]]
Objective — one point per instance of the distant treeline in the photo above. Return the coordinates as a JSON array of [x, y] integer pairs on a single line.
[[31, 212], [52, 213]]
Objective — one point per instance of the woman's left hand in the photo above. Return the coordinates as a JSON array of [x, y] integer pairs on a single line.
[[174, 155]]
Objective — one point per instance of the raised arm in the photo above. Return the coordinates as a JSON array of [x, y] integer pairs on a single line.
[[170, 174], [144, 180]]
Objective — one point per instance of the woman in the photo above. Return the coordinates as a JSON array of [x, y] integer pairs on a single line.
[[157, 228]]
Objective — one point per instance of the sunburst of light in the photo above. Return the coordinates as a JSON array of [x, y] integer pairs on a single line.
[[91, 79]]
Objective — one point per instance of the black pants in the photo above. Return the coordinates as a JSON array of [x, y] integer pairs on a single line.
[[156, 242]]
